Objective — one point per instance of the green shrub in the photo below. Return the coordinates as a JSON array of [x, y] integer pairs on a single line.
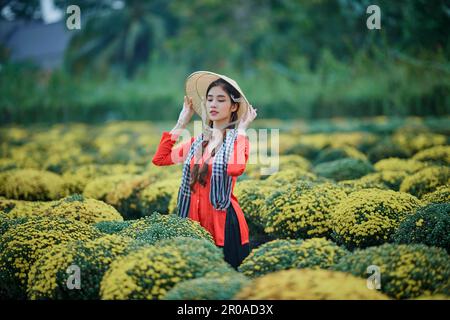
[[430, 225], [387, 149], [222, 288], [344, 169], [287, 254], [113, 227], [407, 271], [158, 227], [370, 216]]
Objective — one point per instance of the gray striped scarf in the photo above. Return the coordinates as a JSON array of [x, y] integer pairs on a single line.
[[220, 192]]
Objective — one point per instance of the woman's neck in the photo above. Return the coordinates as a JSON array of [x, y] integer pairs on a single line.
[[220, 124]]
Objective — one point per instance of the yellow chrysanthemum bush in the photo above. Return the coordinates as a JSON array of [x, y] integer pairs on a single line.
[[369, 217], [416, 141], [74, 207], [288, 254], [291, 175], [150, 272], [440, 195], [100, 187], [301, 210], [157, 196], [252, 195], [23, 244], [331, 154], [263, 170], [438, 155], [158, 227], [430, 225], [344, 169], [48, 277], [7, 164], [387, 148], [206, 288], [7, 223], [426, 180], [86, 210], [396, 164], [361, 183], [307, 284], [433, 297], [406, 271], [21, 208], [125, 197], [32, 184], [77, 178], [392, 179]]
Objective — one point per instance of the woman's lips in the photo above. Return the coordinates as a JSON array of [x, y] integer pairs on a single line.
[[213, 113]]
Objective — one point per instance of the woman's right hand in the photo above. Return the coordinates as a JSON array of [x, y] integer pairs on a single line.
[[187, 112]]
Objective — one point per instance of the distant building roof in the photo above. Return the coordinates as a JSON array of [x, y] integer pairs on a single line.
[[41, 43]]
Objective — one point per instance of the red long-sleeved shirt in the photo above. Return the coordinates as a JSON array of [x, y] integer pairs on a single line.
[[200, 208]]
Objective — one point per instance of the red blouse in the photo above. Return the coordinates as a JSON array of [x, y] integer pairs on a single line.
[[200, 208]]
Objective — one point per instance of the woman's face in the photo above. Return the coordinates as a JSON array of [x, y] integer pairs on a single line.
[[218, 104]]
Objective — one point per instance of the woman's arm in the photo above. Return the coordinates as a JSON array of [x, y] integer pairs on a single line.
[[239, 156], [166, 154]]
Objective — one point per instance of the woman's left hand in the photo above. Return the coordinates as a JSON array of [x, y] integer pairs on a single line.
[[249, 116]]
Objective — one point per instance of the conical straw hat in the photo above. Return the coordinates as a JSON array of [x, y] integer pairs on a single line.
[[196, 85]]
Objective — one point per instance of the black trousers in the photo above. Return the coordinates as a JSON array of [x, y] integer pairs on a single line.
[[234, 252]]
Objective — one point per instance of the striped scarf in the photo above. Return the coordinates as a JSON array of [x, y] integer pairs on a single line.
[[220, 192]]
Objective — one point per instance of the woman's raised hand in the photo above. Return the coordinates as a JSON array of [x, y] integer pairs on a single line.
[[187, 112], [249, 116]]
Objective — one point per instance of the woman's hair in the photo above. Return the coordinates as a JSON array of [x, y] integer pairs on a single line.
[[199, 174]]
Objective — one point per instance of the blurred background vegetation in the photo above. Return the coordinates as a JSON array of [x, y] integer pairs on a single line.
[[304, 59]]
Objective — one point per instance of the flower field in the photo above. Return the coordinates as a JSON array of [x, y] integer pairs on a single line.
[[348, 194]]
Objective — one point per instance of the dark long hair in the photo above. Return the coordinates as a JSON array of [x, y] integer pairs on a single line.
[[197, 173]]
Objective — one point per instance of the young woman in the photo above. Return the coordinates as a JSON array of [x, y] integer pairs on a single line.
[[213, 160]]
